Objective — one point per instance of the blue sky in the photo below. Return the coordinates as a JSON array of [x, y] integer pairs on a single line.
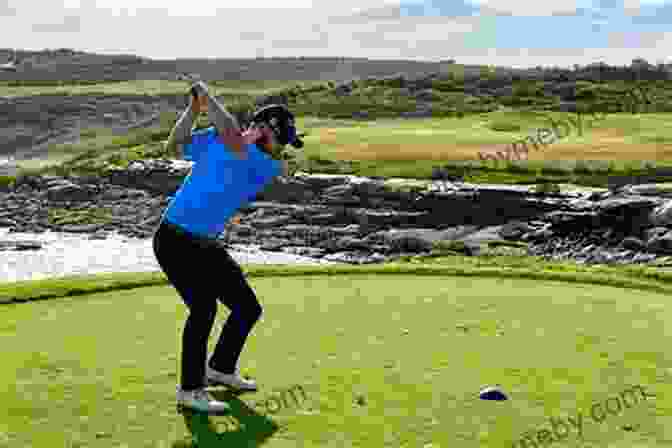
[[519, 33]]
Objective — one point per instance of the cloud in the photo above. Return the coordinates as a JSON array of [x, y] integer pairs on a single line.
[[526, 8], [498, 32], [6, 9], [390, 12], [69, 24]]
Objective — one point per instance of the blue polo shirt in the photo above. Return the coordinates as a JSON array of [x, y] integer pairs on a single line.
[[218, 184]]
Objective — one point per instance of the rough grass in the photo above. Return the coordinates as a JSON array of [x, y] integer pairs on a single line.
[[412, 148], [617, 146]]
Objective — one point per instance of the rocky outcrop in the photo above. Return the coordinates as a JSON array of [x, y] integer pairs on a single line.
[[358, 220]]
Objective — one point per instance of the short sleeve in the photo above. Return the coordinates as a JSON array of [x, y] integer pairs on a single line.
[[200, 141], [263, 168]]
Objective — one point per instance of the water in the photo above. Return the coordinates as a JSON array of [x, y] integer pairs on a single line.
[[74, 254]]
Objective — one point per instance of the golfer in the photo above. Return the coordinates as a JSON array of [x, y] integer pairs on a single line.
[[230, 167]]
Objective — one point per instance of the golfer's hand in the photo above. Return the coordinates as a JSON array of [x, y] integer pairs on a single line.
[[201, 88]]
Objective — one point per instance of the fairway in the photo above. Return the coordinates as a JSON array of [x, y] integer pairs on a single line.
[[619, 137], [384, 361]]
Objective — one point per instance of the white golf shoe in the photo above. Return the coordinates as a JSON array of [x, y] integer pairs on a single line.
[[234, 380], [199, 400]]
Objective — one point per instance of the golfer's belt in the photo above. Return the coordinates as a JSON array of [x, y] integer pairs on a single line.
[[200, 240]]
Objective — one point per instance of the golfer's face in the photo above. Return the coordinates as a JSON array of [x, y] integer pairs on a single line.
[[272, 147]]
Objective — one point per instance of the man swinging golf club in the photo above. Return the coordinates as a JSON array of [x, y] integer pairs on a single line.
[[230, 167]]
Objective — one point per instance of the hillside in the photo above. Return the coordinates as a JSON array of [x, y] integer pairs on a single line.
[[56, 96], [66, 64]]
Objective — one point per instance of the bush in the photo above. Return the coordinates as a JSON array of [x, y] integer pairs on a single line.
[[547, 188], [582, 167], [7, 181], [505, 126], [548, 170], [88, 133], [517, 167], [526, 89]]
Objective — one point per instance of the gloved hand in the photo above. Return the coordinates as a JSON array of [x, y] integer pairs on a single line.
[[200, 88]]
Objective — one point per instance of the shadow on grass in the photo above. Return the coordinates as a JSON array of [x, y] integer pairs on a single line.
[[248, 428]]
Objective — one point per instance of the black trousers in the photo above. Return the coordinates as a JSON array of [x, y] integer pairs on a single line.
[[203, 274]]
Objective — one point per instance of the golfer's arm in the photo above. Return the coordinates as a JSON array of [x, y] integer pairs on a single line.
[[285, 168], [219, 116], [180, 134], [226, 124]]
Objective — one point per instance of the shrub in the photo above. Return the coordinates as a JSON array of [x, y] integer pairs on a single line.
[[547, 188], [88, 133], [7, 181], [517, 167], [505, 126], [582, 167], [549, 170]]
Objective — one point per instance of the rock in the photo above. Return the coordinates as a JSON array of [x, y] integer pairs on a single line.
[[662, 215], [99, 235], [632, 243], [87, 228], [342, 90], [305, 251], [360, 115], [325, 219], [276, 221], [273, 244], [645, 190], [410, 240], [20, 245], [514, 230], [427, 95], [357, 220], [7, 222], [660, 244], [69, 192], [655, 232], [287, 190]]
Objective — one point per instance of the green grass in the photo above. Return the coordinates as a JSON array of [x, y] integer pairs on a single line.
[[391, 359], [619, 145], [411, 148], [508, 264], [412, 341]]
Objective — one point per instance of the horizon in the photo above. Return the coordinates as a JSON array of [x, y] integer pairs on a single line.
[[473, 32], [13, 52]]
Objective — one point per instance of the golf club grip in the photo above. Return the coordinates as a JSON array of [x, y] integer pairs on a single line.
[[194, 93]]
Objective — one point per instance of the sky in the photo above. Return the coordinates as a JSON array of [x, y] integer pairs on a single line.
[[514, 33]]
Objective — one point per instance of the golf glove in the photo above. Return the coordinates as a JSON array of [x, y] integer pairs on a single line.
[[200, 88]]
